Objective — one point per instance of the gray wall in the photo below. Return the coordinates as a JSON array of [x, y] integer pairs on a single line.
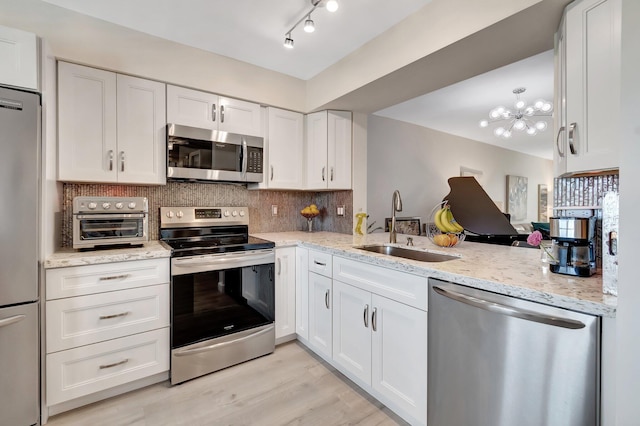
[[418, 161]]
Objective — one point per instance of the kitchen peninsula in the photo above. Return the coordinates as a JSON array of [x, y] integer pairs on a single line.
[[512, 271]]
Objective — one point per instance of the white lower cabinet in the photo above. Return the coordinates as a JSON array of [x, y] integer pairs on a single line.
[[106, 325], [285, 293], [302, 293], [382, 344], [320, 329]]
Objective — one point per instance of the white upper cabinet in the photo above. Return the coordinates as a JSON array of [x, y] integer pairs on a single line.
[[141, 130], [18, 58], [592, 85], [327, 151], [111, 127], [209, 111], [283, 148]]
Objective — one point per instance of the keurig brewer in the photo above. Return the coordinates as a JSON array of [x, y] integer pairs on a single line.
[[574, 245]]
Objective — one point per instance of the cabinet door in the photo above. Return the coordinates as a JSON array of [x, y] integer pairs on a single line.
[[316, 172], [241, 117], [351, 330], [141, 118], [192, 107], [593, 84], [339, 149], [320, 315], [560, 116], [285, 292], [399, 356], [86, 124], [302, 293], [284, 143], [18, 58]]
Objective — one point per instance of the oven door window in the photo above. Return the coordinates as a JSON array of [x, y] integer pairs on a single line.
[[216, 303], [206, 155], [92, 229]]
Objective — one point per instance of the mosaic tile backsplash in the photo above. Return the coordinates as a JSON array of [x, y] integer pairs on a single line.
[[217, 194], [583, 191]]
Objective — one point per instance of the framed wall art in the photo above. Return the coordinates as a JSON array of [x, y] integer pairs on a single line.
[[543, 203], [517, 197]]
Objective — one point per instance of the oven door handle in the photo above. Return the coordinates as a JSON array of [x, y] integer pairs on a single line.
[[112, 216], [186, 352], [224, 261]]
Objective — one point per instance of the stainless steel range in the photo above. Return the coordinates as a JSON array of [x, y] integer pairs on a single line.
[[222, 289]]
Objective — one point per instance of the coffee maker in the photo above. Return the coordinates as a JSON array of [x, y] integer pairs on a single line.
[[573, 245]]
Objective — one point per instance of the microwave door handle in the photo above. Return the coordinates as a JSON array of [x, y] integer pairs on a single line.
[[245, 157]]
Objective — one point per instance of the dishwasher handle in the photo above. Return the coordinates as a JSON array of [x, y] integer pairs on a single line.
[[509, 310]]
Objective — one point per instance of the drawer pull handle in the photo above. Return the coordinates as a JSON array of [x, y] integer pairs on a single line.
[[114, 277], [122, 314], [115, 364], [319, 263]]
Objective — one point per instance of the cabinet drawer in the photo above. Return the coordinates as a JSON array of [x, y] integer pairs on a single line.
[[83, 320], [90, 279], [82, 371], [320, 263], [399, 286]]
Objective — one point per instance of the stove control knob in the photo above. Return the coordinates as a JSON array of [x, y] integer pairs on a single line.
[[169, 214], [132, 205], [106, 206], [234, 214], [226, 213], [179, 214], [92, 205], [119, 206], [242, 213]]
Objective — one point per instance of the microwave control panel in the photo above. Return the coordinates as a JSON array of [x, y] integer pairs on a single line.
[[254, 162]]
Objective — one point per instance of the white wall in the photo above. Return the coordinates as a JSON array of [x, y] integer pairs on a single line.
[[628, 315], [418, 161]]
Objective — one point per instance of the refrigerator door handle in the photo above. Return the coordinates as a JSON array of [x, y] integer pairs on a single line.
[[11, 320], [510, 311]]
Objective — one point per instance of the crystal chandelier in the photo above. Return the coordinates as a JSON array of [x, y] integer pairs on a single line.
[[522, 119]]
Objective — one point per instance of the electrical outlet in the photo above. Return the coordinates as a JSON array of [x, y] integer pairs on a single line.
[[274, 210], [340, 211]]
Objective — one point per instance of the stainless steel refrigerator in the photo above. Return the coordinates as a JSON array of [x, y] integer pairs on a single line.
[[20, 120]]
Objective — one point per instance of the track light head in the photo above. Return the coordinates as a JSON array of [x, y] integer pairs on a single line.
[[309, 26], [288, 41], [332, 5]]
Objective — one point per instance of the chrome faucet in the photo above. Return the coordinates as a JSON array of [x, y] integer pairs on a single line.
[[396, 206]]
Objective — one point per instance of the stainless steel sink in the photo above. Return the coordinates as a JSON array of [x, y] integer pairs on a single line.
[[413, 254]]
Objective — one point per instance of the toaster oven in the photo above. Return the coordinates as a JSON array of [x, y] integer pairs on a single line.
[[109, 221]]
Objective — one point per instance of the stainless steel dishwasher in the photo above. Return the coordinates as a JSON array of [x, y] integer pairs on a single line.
[[496, 360]]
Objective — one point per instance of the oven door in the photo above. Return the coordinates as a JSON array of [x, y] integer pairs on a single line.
[[204, 154], [91, 230], [222, 294]]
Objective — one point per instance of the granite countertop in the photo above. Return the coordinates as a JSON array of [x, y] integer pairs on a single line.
[[512, 271], [70, 257]]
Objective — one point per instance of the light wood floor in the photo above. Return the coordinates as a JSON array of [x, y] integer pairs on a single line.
[[289, 387]]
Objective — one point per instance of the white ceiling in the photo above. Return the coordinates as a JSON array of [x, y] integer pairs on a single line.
[[458, 109], [253, 31]]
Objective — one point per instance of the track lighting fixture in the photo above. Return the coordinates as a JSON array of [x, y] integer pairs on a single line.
[[309, 25]]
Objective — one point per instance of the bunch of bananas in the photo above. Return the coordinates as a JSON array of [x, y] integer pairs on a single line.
[[445, 222]]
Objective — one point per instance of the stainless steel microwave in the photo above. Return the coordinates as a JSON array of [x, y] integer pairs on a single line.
[[211, 155]]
